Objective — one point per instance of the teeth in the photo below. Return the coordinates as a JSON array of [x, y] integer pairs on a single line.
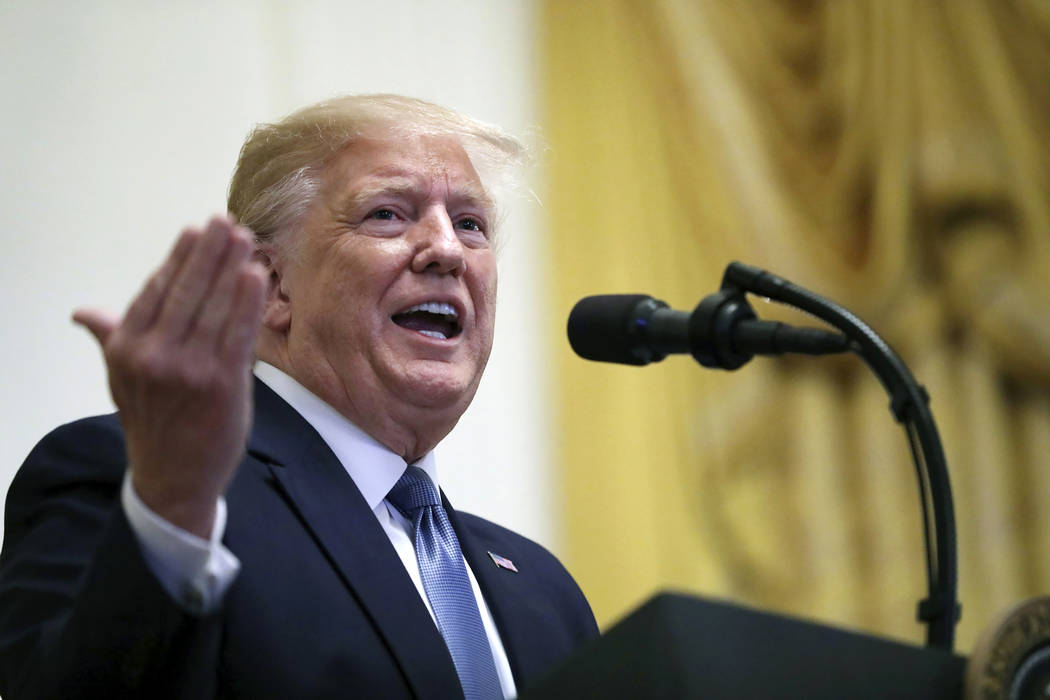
[[434, 334], [434, 307]]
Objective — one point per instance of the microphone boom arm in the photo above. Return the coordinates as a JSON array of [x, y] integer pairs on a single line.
[[909, 404]]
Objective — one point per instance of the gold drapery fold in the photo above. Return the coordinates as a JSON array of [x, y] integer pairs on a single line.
[[892, 155]]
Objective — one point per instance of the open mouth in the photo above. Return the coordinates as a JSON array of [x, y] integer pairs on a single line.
[[434, 319]]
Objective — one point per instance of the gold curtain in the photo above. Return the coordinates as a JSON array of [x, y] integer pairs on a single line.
[[892, 155]]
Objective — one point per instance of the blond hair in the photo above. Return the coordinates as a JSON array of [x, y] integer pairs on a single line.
[[278, 173]]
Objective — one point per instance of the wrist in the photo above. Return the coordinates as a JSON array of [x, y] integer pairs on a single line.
[[191, 511]]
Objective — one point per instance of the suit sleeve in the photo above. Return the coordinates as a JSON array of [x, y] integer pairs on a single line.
[[81, 614]]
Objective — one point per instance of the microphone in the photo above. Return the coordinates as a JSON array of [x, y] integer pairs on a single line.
[[722, 332]]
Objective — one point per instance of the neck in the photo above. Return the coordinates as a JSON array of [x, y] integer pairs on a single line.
[[409, 431]]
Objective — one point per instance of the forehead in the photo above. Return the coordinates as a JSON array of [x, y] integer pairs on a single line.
[[423, 164]]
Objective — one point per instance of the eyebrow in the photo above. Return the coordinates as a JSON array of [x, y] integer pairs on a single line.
[[406, 186]]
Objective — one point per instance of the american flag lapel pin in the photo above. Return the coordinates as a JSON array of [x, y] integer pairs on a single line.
[[503, 562]]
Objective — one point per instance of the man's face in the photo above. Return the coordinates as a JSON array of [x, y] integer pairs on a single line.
[[391, 285]]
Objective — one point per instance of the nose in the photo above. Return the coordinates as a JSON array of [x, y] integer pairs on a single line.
[[437, 247]]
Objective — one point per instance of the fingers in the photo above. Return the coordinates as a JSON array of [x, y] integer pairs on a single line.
[[205, 297], [99, 323], [146, 306], [207, 328], [194, 279], [237, 342]]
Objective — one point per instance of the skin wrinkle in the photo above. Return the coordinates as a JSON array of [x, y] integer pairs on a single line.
[[329, 315], [396, 186]]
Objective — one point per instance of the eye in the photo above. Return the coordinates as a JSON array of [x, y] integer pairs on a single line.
[[383, 215], [469, 223], [383, 220]]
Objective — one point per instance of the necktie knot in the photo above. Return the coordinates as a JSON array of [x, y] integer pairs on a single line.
[[414, 490]]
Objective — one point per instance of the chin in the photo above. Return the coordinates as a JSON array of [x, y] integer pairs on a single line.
[[440, 389]]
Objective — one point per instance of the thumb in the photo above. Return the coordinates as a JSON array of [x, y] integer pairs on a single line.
[[99, 323]]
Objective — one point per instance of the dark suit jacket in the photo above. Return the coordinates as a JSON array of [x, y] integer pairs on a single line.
[[322, 606]]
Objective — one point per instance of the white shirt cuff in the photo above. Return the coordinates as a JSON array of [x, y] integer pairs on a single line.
[[194, 571]]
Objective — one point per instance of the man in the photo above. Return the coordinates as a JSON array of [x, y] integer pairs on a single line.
[[149, 554]]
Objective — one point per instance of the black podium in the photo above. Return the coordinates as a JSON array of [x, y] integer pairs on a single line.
[[678, 646]]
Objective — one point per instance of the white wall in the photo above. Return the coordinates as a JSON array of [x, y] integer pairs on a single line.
[[121, 123]]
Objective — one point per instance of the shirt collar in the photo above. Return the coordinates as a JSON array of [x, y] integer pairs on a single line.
[[372, 466]]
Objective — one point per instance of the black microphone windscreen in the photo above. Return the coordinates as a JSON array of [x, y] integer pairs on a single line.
[[600, 328]]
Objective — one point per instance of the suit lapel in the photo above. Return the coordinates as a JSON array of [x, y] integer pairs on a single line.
[[516, 608], [343, 525]]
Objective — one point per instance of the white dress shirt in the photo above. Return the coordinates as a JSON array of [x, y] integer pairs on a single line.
[[197, 572]]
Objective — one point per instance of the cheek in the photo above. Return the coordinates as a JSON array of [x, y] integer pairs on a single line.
[[486, 310], [485, 283], [340, 311]]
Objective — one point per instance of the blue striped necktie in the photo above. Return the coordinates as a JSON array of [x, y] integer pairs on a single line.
[[446, 584]]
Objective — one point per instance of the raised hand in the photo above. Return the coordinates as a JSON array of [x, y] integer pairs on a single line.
[[179, 365]]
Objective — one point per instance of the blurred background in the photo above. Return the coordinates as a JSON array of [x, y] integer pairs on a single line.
[[893, 155]]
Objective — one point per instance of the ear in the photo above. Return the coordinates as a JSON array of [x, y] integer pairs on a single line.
[[277, 308]]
